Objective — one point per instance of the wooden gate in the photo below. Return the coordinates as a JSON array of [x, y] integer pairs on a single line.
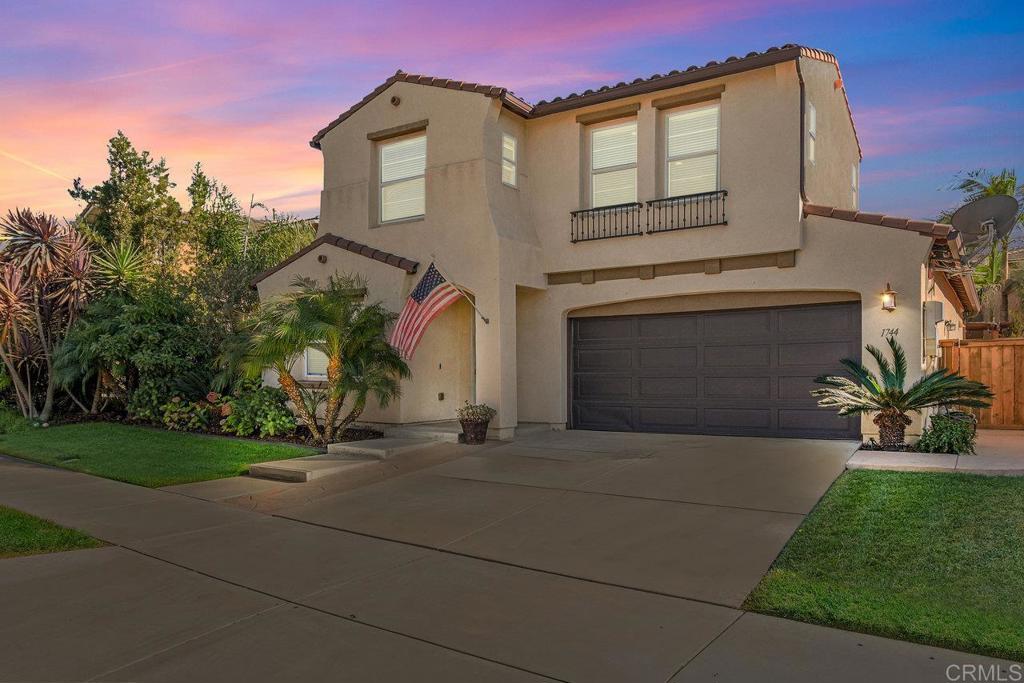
[[998, 363]]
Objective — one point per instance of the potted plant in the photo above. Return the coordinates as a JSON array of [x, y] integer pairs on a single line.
[[474, 418], [886, 394]]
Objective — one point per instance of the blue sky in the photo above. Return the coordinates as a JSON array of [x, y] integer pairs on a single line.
[[935, 87]]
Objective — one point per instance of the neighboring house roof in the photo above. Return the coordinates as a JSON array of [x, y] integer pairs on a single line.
[[638, 86], [400, 262], [946, 241]]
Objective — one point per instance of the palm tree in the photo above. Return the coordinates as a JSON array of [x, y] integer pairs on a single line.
[[886, 395], [336, 321]]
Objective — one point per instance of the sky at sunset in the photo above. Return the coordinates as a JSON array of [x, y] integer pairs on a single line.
[[936, 87]]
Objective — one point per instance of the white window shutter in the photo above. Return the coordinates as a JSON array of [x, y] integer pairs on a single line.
[[403, 166], [692, 150], [613, 165], [509, 154], [614, 146], [316, 363]]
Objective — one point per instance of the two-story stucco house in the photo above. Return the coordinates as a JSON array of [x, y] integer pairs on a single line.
[[680, 253]]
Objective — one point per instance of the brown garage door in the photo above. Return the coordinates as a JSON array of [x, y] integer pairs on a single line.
[[741, 372]]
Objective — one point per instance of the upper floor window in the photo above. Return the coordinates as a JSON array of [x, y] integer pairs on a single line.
[[812, 131], [613, 164], [316, 364], [509, 153], [692, 150], [403, 165]]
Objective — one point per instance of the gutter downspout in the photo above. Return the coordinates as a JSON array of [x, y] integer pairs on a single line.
[[803, 122]]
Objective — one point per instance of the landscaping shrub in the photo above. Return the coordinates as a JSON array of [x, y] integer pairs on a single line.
[[262, 410], [947, 435], [11, 420], [188, 416]]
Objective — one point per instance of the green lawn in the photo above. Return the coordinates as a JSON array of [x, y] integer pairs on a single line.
[[932, 558], [140, 455], [22, 534]]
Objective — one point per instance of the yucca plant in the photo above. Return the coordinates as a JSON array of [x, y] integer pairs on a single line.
[[47, 276], [886, 394]]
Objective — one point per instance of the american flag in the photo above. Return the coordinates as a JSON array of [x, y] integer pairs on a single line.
[[430, 298]]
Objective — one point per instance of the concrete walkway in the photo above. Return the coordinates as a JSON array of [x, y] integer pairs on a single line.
[[571, 557], [998, 452]]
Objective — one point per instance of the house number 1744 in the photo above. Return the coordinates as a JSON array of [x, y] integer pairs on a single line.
[[890, 332]]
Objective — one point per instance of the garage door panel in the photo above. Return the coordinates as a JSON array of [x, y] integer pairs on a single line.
[[821, 354], [824, 322], [603, 387], [595, 360], [738, 387], [737, 325], [669, 358], [744, 372], [666, 387], [757, 356], [677, 329], [805, 419], [606, 417], [605, 328], [667, 419], [738, 418]]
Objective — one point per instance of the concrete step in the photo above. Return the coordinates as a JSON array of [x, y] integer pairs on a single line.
[[443, 432], [311, 467], [381, 449]]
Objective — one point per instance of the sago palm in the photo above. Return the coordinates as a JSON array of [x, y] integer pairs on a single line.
[[887, 395], [336, 321]]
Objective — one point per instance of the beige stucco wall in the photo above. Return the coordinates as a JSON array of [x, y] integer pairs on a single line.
[[828, 179], [443, 362], [871, 257]]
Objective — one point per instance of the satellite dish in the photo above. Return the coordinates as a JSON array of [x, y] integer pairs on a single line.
[[984, 221]]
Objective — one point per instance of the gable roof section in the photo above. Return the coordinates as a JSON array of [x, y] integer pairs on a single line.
[[507, 97], [638, 86], [946, 242], [408, 265]]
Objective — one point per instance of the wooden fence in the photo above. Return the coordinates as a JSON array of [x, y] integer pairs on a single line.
[[999, 363]]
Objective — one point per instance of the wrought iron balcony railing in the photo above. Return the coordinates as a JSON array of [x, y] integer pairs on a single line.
[[671, 213], [603, 222], [687, 211]]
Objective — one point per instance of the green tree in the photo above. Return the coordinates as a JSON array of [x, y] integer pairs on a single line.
[[887, 395], [336, 321], [134, 204], [139, 343]]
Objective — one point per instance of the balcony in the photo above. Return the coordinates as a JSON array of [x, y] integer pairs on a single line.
[[687, 211], [662, 215], [619, 220]]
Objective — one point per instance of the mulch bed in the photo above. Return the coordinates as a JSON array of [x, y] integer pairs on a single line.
[[301, 436]]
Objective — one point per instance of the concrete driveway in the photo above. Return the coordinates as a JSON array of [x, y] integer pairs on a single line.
[[568, 556]]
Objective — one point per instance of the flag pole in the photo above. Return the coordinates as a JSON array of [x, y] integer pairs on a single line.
[[486, 320]]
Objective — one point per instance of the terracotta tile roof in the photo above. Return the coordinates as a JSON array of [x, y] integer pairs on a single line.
[[924, 227], [508, 98], [692, 74], [946, 243], [408, 265]]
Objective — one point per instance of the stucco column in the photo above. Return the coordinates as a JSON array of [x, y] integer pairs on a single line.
[[904, 323], [496, 358]]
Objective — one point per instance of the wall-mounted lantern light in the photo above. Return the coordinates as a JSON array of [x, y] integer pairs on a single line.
[[888, 298]]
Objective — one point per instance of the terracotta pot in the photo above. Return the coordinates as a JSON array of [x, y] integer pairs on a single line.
[[474, 431]]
